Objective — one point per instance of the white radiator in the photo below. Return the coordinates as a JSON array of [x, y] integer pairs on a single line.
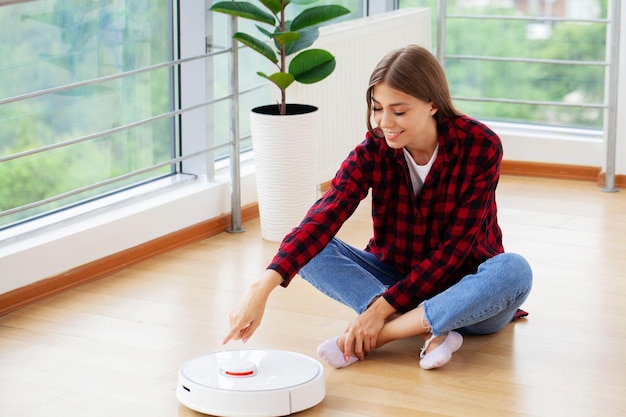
[[358, 45]]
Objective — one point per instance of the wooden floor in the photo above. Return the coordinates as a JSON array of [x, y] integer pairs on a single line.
[[113, 347]]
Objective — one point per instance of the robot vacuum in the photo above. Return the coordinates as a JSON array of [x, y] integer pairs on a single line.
[[254, 382]]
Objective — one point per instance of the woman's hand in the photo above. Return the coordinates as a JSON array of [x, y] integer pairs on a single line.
[[247, 316], [362, 334]]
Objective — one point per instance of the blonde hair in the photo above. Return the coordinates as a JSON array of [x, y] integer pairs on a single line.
[[414, 71]]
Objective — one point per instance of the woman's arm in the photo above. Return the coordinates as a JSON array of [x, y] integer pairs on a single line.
[[247, 316], [362, 333]]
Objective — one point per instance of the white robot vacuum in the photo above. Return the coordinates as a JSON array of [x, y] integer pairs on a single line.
[[253, 382]]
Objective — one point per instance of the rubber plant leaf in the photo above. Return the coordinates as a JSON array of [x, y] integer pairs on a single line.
[[316, 15], [259, 46], [281, 79], [244, 10], [303, 2], [308, 37], [285, 38], [274, 5], [312, 65], [264, 31]]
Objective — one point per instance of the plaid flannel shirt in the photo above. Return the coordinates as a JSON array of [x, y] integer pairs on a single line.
[[435, 238]]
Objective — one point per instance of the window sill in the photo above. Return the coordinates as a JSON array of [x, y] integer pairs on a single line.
[[58, 243], [550, 145]]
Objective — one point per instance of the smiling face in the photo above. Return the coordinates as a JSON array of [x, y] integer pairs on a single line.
[[405, 121]]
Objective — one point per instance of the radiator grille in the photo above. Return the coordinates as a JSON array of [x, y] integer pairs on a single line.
[[358, 45]]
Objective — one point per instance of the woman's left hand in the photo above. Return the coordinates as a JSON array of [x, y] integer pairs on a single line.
[[362, 334]]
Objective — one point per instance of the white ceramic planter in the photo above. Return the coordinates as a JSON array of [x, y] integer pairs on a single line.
[[285, 155]]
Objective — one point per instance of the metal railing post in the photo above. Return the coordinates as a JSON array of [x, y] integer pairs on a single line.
[[235, 164], [441, 31], [611, 124]]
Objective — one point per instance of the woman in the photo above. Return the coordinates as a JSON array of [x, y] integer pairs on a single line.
[[435, 263]]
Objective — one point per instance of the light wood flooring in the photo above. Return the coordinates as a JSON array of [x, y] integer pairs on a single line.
[[113, 347]]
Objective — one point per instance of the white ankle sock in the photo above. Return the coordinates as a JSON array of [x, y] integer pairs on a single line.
[[443, 353], [330, 352]]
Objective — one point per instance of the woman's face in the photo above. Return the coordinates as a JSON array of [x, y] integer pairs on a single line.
[[404, 119]]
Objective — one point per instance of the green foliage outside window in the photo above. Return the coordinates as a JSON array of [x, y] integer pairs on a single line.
[[482, 79], [47, 44]]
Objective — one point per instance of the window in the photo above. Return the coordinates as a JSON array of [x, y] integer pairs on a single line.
[[95, 97], [525, 62], [81, 110]]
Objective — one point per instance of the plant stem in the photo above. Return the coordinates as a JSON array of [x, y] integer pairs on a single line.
[[283, 61]]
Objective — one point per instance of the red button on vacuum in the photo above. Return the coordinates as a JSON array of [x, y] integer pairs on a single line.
[[239, 368]]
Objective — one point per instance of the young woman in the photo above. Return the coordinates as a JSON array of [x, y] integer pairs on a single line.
[[435, 263]]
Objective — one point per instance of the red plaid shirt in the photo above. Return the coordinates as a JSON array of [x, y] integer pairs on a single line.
[[435, 238]]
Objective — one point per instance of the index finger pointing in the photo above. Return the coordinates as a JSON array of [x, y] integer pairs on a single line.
[[235, 333]]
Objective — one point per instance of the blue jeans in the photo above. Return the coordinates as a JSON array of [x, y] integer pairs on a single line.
[[480, 303]]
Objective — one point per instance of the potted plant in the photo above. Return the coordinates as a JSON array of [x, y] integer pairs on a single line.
[[284, 135]]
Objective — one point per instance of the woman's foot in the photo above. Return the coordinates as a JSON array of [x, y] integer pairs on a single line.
[[333, 355], [435, 354]]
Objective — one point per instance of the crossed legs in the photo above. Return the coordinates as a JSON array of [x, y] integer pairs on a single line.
[[481, 303], [436, 352]]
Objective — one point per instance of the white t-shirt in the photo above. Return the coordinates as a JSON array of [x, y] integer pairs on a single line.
[[419, 172]]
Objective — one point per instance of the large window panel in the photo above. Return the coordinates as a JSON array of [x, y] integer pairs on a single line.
[[522, 81], [92, 127], [502, 56]]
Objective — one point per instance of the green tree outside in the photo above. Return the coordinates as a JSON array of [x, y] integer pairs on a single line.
[[68, 41]]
